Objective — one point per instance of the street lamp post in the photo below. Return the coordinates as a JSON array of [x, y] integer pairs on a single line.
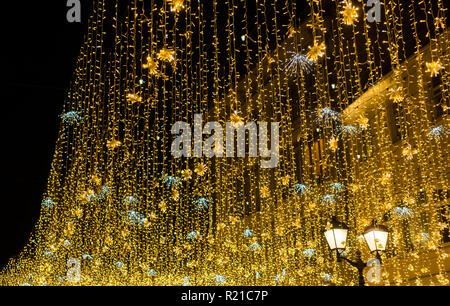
[[376, 238]]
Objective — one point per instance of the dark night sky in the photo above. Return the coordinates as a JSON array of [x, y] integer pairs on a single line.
[[40, 49]]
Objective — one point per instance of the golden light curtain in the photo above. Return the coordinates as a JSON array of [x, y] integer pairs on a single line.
[[132, 214]]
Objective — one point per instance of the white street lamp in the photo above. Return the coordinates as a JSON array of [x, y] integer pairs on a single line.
[[376, 237], [336, 235]]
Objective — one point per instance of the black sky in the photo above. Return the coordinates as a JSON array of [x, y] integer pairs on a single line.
[[39, 51]]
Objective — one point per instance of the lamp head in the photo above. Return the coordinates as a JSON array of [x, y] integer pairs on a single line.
[[376, 237], [336, 235]]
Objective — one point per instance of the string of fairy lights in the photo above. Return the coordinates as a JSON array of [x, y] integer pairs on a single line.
[[133, 214]]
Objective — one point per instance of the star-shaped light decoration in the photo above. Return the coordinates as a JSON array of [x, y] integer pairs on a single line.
[[166, 54], [70, 229], [201, 169], [133, 98], [285, 180], [396, 94], [265, 192], [113, 144], [408, 152], [434, 67], [153, 216], [297, 223], [163, 206], [90, 193], [109, 240], [316, 51], [349, 13], [197, 192], [125, 233], [221, 226], [191, 264], [311, 206], [186, 174], [104, 250], [291, 31], [410, 200], [279, 230], [386, 178], [95, 179], [439, 23], [270, 60], [178, 251], [151, 65], [354, 187], [265, 235], [78, 212], [363, 122], [210, 257], [146, 223], [144, 267], [233, 219], [175, 195], [333, 143], [176, 5], [235, 118]]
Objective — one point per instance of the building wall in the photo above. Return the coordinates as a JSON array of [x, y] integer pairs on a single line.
[[400, 140]]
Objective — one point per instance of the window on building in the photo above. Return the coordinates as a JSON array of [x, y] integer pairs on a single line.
[[396, 113], [437, 110], [406, 233], [317, 153], [313, 157], [251, 195], [445, 220], [298, 150], [365, 144], [295, 101], [442, 196], [374, 129]]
